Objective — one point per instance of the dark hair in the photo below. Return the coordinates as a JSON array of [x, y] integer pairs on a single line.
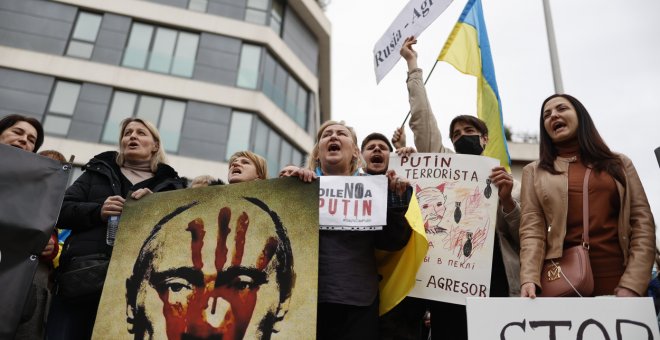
[[592, 148], [472, 120], [12, 119], [373, 136]]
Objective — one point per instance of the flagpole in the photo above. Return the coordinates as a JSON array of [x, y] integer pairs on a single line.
[[427, 79], [552, 44]]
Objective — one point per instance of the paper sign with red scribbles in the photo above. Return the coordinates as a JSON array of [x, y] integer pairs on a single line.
[[459, 206]]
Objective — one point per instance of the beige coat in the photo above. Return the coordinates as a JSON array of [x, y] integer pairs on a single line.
[[543, 223], [428, 139]]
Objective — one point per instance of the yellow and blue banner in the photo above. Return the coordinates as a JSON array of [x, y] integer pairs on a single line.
[[399, 268], [468, 50]]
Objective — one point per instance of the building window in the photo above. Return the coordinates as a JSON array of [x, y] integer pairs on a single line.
[[84, 35], [256, 11], [248, 69], [239, 133], [248, 132], [166, 114], [276, 83], [198, 5], [62, 104], [276, 15], [161, 49]]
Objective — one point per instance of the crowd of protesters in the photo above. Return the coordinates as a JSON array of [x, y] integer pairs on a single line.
[[536, 220]]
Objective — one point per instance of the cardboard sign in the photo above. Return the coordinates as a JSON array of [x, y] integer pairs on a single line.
[[413, 20], [562, 318], [357, 203], [459, 206]]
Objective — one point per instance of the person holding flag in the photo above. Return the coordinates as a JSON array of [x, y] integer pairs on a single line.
[[469, 135]]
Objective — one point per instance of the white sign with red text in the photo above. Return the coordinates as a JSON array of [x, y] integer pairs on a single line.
[[352, 202]]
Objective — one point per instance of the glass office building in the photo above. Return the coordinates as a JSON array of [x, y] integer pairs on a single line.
[[215, 76]]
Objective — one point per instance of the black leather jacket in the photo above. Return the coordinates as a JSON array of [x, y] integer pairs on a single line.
[[81, 209]]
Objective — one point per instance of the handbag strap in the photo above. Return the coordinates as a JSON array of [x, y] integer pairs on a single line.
[[585, 209]]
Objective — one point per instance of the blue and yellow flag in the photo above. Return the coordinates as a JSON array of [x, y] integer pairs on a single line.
[[399, 268], [468, 50]]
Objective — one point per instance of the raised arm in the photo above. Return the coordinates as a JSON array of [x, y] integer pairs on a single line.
[[422, 121]]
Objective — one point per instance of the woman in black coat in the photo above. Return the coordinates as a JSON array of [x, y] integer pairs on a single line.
[[97, 195]]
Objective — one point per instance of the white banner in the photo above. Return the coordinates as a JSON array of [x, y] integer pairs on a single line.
[[562, 318], [413, 20], [353, 202], [459, 207]]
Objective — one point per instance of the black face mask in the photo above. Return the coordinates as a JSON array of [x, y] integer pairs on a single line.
[[469, 145]]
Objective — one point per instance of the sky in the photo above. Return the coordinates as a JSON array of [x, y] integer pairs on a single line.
[[609, 56]]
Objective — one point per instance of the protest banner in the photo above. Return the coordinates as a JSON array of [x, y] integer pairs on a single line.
[[31, 193], [357, 203], [562, 318], [221, 262], [459, 208], [412, 20]]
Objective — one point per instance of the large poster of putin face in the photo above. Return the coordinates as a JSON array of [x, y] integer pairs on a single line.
[[226, 262]]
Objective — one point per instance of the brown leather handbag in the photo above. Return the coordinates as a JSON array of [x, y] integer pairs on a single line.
[[570, 275]]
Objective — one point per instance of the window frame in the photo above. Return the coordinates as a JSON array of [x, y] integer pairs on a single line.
[[73, 39], [48, 113], [152, 40], [134, 112]]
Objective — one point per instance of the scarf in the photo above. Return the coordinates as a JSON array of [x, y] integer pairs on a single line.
[[137, 171]]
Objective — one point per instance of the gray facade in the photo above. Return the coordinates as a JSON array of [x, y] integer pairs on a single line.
[[40, 26], [24, 93], [205, 131], [234, 9], [301, 40], [217, 59], [90, 113], [111, 39], [88, 109]]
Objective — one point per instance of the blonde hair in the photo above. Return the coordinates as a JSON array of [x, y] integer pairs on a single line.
[[313, 160], [201, 181], [259, 162], [157, 157]]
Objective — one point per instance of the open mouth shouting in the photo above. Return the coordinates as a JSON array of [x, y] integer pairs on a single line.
[[377, 159], [558, 126], [334, 146]]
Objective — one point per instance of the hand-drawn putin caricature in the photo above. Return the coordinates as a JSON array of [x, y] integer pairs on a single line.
[[226, 274], [432, 201]]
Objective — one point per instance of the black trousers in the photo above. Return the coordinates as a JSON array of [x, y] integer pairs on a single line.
[[346, 322], [404, 321]]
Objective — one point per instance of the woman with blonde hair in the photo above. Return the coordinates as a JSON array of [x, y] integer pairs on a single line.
[[348, 280], [246, 166], [94, 197]]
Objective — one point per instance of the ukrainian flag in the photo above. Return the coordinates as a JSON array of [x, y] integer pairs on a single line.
[[399, 268], [468, 50]]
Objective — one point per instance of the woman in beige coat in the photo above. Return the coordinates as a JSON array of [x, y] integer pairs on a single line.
[[621, 227]]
